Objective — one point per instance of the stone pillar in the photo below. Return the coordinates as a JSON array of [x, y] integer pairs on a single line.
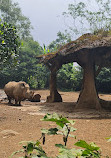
[[88, 97], [54, 95]]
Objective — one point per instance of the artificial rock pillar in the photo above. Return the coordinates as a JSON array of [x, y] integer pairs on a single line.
[[88, 97], [54, 95]]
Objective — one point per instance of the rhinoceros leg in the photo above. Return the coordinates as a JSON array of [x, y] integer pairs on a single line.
[[16, 100], [9, 99], [19, 103]]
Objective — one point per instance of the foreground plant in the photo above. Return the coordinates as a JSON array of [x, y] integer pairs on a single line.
[[35, 150], [64, 126]]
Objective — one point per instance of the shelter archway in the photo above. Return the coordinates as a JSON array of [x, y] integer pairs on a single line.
[[88, 51]]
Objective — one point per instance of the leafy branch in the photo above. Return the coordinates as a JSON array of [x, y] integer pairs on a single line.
[[63, 128], [9, 44], [35, 150]]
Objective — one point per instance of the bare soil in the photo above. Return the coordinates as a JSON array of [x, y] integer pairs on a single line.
[[22, 123]]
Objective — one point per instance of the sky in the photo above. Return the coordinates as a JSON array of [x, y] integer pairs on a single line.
[[46, 17]]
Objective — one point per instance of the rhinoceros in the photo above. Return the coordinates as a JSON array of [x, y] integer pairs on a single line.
[[18, 91]]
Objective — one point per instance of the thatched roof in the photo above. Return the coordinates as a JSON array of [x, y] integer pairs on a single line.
[[99, 45]]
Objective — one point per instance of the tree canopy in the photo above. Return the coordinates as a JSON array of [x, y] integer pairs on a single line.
[[9, 44], [11, 13], [82, 17]]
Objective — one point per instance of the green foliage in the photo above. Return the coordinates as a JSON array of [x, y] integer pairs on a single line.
[[40, 79], [34, 149], [84, 18], [46, 50], [9, 45], [32, 72], [59, 120], [63, 128], [31, 150], [28, 69], [68, 153], [27, 60], [91, 150], [37, 75], [109, 139], [69, 77], [62, 38], [103, 81], [11, 13]]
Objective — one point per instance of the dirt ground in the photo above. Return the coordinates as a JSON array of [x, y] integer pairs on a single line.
[[23, 123]]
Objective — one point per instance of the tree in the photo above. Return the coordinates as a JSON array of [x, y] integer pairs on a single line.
[[69, 77], [11, 13], [62, 38], [28, 68], [103, 81], [9, 43], [85, 19], [96, 22]]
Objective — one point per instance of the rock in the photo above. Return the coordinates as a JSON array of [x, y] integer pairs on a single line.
[[35, 98], [8, 133]]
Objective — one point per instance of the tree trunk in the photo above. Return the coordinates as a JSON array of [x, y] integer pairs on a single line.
[[88, 97], [54, 95]]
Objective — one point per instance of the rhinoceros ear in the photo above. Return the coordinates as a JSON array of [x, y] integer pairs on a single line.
[[22, 85]]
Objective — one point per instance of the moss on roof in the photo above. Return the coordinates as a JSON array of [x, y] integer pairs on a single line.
[[87, 41]]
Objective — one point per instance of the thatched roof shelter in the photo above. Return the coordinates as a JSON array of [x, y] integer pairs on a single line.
[[88, 51]]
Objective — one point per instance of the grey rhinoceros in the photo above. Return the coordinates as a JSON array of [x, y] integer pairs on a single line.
[[18, 91]]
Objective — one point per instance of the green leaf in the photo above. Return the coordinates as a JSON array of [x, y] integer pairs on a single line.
[[21, 43], [73, 136], [16, 152], [51, 131], [1, 25], [60, 146], [3, 42], [90, 146], [109, 139], [69, 153], [59, 120], [37, 143], [72, 129], [72, 122], [86, 152], [40, 151], [59, 123], [30, 147]]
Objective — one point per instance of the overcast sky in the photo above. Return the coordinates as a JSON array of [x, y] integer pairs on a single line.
[[46, 17]]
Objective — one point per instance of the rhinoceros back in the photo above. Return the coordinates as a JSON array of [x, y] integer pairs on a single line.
[[16, 90]]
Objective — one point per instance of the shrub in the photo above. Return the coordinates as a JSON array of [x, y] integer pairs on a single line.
[[64, 128]]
